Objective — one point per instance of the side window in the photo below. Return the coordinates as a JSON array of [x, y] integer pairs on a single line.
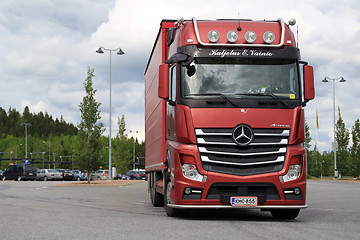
[[172, 88]]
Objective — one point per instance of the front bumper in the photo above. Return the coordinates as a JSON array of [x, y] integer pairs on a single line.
[[228, 206], [217, 190]]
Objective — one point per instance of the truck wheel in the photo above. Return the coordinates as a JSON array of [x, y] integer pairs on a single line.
[[285, 213], [18, 178], [157, 199], [171, 212]]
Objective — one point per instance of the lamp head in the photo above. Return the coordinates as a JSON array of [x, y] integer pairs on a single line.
[[325, 80], [120, 52], [342, 79], [100, 51]]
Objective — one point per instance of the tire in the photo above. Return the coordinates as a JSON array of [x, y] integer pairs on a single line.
[[157, 199], [285, 213], [78, 179], [98, 178], [171, 212], [45, 178], [3, 178], [18, 178]]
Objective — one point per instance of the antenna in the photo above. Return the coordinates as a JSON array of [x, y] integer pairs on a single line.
[[239, 28], [297, 35]]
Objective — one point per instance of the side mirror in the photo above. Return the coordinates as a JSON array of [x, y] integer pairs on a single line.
[[309, 90], [163, 89]]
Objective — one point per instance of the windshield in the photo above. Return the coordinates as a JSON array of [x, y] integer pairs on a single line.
[[241, 79]]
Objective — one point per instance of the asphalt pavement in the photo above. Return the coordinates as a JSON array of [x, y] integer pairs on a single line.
[[47, 210]]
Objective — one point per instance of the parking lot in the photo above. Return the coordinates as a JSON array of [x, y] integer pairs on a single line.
[[103, 210]]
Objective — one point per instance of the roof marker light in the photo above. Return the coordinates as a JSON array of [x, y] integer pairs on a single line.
[[232, 36], [292, 21], [269, 37], [213, 36], [250, 36], [180, 20]]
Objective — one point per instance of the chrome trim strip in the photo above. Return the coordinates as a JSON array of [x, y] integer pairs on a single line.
[[229, 206], [199, 132], [207, 159], [282, 142], [241, 45], [204, 150], [284, 133], [202, 141]]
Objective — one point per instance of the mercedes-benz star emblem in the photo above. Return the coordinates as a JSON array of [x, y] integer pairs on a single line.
[[243, 134]]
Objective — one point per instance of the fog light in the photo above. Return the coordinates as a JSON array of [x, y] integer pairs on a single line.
[[297, 191], [187, 190]]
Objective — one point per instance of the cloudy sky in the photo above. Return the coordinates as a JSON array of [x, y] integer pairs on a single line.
[[46, 47]]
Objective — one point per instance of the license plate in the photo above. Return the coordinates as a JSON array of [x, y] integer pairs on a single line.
[[244, 201], [30, 174]]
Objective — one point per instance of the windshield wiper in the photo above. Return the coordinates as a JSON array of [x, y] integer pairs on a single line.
[[215, 94], [265, 95]]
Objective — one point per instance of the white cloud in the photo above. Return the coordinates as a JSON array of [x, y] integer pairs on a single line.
[[39, 106], [46, 47]]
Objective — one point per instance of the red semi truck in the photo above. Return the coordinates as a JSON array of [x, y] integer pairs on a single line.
[[224, 116]]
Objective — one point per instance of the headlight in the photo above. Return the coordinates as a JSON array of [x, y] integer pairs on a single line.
[[250, 36], [213, 36], [232, 36], [269, 37], [293, 173], [190, 172]]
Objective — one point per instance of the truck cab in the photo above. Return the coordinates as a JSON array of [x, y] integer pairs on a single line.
[[227, 98]]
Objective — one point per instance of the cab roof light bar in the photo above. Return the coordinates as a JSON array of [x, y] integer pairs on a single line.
[[241, 45]]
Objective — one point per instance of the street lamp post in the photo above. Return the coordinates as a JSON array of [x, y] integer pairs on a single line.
[[134, 147], [49, 151], [17, 149], [120, 52], [325, 80], [26, 125]]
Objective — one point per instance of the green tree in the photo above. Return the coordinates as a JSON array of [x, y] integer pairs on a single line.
[[342, 138], [122, 153], [121, 126], [122, 147], [308, 138], [88, 145], [312, 164], [328, 163], [354, 165], [3, 121]]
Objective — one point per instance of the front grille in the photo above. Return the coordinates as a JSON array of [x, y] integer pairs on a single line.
[[219, 152]]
